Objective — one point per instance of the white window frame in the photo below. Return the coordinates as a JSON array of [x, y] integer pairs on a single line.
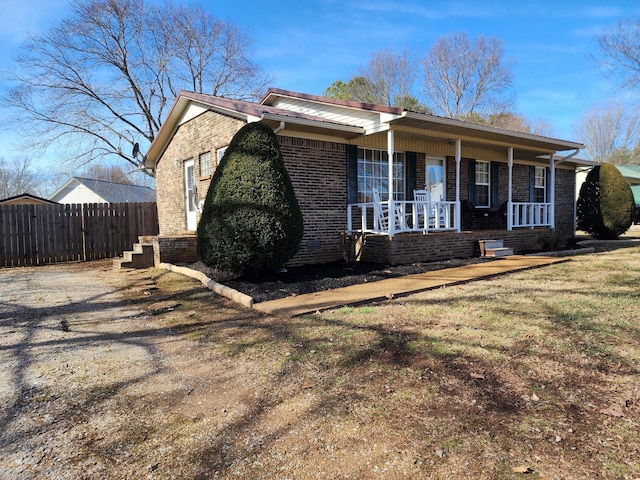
[[220, 154], [483, 180], [540, 190], [204, 159], [373, 172]]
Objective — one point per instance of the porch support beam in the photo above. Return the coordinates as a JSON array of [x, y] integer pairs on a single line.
[[458, 161], [510, 193], [552, 190], [390, 155]]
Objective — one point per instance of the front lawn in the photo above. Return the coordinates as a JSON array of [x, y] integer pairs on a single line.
[[532, 372]]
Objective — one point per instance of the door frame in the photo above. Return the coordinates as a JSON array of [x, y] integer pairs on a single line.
[[190, 193]]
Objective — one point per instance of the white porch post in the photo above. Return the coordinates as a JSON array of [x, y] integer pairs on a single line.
[[552, 190], [392, 209], [510, 194], [458, 160]]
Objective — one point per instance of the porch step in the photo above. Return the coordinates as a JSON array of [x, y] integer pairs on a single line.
[[498, 252], [140, 257], [494, 248]]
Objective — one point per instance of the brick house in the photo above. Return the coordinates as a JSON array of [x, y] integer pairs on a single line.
[[476, 181]]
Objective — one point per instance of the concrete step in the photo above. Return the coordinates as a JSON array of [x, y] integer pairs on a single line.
[[498, 252], [140, 257], [493, 244], [487, 244]]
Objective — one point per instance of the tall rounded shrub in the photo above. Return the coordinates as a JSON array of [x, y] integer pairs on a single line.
[[251, 223], [605, 205]]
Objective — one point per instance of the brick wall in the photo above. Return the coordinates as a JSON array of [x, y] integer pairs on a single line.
[[181, 249], [204, 133], [318, 173], [565, 186], [317, 170]]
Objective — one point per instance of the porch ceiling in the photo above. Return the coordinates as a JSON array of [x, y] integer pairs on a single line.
[[519, 152], [444, 129]]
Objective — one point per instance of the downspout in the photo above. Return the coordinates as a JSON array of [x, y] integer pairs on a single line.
[[562, 159], [280, 127]]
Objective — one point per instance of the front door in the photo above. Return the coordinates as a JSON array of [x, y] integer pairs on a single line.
[[435, 178], [190, 194]]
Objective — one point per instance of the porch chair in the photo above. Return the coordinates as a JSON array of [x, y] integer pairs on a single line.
[[422, 199], [381, 212], [430, 211]]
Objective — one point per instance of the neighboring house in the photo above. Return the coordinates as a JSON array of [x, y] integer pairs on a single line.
[[86, 190], [26, 199], [481, 182]]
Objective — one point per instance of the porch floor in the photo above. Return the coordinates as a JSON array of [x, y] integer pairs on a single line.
[[401, 286]]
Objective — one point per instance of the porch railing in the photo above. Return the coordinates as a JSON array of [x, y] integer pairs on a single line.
[[425, 217], [530, 214], [402, 217]]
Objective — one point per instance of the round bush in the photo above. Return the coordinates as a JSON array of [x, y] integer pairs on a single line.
[[251, 223], [605, 204]]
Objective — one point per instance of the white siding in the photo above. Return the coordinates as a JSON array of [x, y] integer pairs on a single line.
[[79, 194], [334, 113]]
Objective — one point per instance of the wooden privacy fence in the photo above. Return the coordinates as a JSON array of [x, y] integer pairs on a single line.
[[40, 234]]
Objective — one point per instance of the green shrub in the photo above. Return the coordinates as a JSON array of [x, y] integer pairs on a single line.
[[251, 223], [605, 205]]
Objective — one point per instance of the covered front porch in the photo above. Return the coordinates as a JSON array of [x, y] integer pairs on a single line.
[[433, 208]]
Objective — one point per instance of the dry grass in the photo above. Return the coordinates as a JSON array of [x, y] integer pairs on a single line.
[[536, 369]]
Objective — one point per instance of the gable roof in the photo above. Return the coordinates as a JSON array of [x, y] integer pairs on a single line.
[[25, 198], [109, 192], [349, 119]]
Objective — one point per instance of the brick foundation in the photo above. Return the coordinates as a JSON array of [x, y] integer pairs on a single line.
[[180, 249], [416, 247]]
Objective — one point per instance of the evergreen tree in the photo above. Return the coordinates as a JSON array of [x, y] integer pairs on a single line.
[[605, 205], [251, 223]]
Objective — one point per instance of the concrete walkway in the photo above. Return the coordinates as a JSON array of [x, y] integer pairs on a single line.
[[396, 287]]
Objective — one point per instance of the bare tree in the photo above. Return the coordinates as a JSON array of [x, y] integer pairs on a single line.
[[391, 76], [620, 46], [107, 173], [102, 80], [388, 79], [17, 177], [610, 133], [462, 79]]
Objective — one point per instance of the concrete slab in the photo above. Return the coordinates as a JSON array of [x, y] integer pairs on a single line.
[[401, 286]]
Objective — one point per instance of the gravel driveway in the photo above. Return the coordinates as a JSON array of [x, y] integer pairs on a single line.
[[64, 333]]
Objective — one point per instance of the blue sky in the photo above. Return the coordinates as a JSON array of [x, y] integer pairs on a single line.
[[307, 44]]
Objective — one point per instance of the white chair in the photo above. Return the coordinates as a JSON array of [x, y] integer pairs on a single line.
[[381, 213], [423, 208], [434, 214]]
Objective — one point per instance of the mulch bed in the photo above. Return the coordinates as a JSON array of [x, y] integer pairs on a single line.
[[314, 278]]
